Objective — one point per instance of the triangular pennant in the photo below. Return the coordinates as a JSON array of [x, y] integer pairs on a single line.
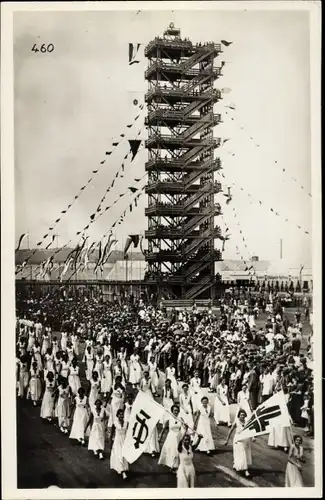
[[92, 216], [134, 145], [129, 126], [107, 154], [22, 237], [115, 144], [133, 189], [102, 162]]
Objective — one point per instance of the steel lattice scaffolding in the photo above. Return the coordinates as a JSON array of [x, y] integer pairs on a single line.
[[181, 164]]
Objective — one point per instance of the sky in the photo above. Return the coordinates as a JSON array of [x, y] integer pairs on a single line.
[[72, 103]]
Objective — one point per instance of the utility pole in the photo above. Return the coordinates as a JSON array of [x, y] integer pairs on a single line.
[[281, 248]]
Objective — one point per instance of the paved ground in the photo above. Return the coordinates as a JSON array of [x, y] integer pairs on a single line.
[[42, 449]]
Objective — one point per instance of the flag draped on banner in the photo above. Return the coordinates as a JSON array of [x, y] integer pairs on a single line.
[[144, 417], [269, 414]]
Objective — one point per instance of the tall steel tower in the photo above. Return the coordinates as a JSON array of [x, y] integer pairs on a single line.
[[181, 148]]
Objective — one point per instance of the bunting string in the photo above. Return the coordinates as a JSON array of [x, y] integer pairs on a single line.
[[261, 203], [83, 188], [258, 146]]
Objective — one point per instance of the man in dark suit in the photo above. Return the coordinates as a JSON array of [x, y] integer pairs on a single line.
[[295, 344], [252, 383]]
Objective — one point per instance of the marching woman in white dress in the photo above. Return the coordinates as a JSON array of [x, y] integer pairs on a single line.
[[46, 344], [186, 472], [293, 477], [154, 374], [124, 365], [23, 377], [242, 449], [117, 461], [107, 379], [145, 384], [89, 361], [243, 400], [94, 389], [135, 369], [118, 395], [65, 366], [203, 426], [195, 391], [63, 409], [169, 451], [55, 347], [37, 356], [74, 379], [80, 417], [49, 364], [35, 385], [221, 404], [75, 344], [167, 399], [70, 351], [31, 340], [118, 372], [64, 340], [47, 407], [171, 374], [96, 442], [186, 408], [99, 358]]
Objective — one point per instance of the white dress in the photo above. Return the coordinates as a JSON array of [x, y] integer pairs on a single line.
[[170, 373], [94, 392], [45, 344], [55, 348], [135, 369], [80, 419], [107, 380], [204, 428], [117, 402], [89, 360], [167, 402], [47, 407], [23, 378], [117, 461], [243, 402], [63, 407], [64, 340], [186, 410], [31, 341], [74, 380], [196, 393], [65, 368], [75, 344], [35, 385], [97, 434], [280, 436], [153, 375], [186, 471], [242, 449], [293, 477], [169, 451], [99, 365], [37, 357], [221, 405]]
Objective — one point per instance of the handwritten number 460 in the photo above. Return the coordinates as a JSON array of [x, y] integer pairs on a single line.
[[43, 48]]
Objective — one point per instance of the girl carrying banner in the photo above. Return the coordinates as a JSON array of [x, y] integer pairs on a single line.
[[117, 460], [241, 449]]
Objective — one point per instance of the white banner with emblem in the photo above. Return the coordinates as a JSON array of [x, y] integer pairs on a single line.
[[144, 417], [273, 412]]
